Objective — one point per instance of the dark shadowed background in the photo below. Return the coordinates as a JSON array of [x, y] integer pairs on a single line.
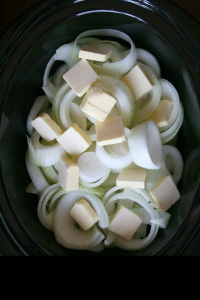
[[10, 9]]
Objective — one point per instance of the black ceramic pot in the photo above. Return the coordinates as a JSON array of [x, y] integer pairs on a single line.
[[27, 46]]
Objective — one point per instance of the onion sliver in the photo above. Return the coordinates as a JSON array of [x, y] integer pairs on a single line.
[[168, 92], [90, 167], [174, 156], [115, 69], [78, 116], [168, 135], [73, 237], [149, 59], [40, 104], [135, 244], [36, 176], [113, 162], [96, 183], [145, 145], [143, 112], [44, 156], [126, 103]]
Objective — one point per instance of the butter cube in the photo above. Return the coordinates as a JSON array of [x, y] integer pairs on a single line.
[[84, 214], [138, 82], [97, 103], [164, 194], [68, 175], [125, 222], [111, 131], [97, 53], [162, 113], [80, 77], [132, 179], [74, 140], [46, 127]]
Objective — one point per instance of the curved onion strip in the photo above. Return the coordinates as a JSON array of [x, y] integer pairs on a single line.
[[152, 98], [96, 183], [90, 167], [36, 175], [145, 145], [113, 162], [56, 104], [63, 53], [40, 104], [31, 189], [149, 59], [173, 155], [45, 218], [167, 135], [115, 69], [126, 103], [168, 92], [110, 193], [78, 116], [43, 156], [135, 244], [50, 174]]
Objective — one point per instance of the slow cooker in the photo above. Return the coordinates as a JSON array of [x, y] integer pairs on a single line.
[[26, 47]]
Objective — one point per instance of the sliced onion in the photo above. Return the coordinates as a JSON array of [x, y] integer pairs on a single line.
[[126, 103], [90, 167], [36, 176], [168, 92], [40, 105], [96, 183], [173, 156], [149, 59], [115, 69], [50, 174], [145, 145], [31, 189], [151, 99], [43, 156]]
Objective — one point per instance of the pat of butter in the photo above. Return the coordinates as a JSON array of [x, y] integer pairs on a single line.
[[132, 179], [97, 103], [74, 140], [46, 127], [68, 175], [80, 77], [97, 53], [125, 222], [84, 214], [111, 131], [164, 194], [138, 82], [162, 113]]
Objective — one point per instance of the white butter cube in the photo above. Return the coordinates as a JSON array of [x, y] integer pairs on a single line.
[[162, 113], [68, 175], [97, 103], [164, 194], [74, 140], [138, 82], [132, 179], [125, 222], [111, 131], [84, 214], [97, 53], [80, 77], [46, 127]]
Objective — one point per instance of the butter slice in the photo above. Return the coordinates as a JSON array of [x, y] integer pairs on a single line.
[[125, 222], [138, 82], [80, 77], [97, 53], [132, 179], [74, 140], [97, 103], [165, 194], [111, 131], [68, 175], [46, 127], [84, 214], [162, 113]]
